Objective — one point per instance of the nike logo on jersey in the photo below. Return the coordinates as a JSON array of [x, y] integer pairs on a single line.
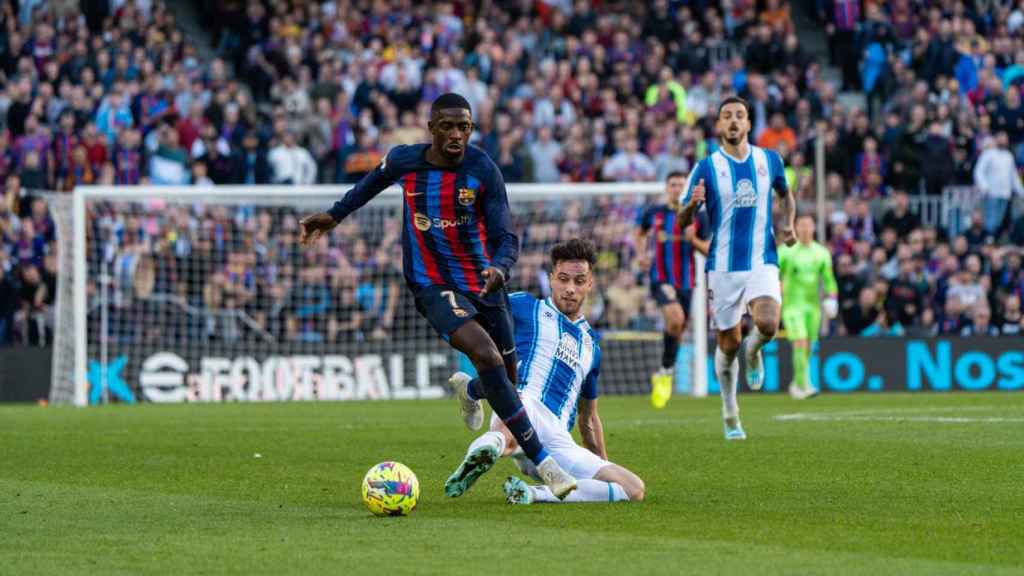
[[509, 351]]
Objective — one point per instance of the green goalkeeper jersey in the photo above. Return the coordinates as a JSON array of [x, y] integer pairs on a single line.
[[801, 268]]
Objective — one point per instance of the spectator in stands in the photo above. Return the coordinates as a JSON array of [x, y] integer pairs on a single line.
[[249, 164], [976, 235], [31, 321], [200, 177], [667, 97], [899, 217], [625, 299], [997, 179], [966, 287], [937, 155], [293, 164], [545, 154], [607, 79], [777, 133], [1017, 232], [883, 326], [905, 299], [629, 165], [169, 163], [981, 316], [9, 299], [363, 158], [858, 318], [1011, 321]]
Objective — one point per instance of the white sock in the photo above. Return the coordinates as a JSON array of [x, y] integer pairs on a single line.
[[586, 491], [496, 439], [727, 370], [755, 341]]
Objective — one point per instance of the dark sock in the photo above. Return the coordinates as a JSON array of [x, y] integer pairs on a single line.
[[668, 352], [475, 389], [505, 402]]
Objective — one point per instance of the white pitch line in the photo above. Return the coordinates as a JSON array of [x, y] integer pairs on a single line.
[[640, 422], [908, 410], [940, 419]]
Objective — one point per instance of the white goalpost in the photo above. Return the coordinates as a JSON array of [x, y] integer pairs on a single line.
[[203, 294]]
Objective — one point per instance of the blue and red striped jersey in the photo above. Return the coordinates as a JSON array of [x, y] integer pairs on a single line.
[[673, 257], [456, 221]]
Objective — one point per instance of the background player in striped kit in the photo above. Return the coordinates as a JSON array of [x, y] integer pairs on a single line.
[[743, 269], [561, 363], [458, 247], [672, 273]]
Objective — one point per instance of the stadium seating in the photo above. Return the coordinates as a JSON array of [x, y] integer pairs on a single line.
[[562, 91]]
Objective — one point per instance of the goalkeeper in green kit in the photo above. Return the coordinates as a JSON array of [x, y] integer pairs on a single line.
[[803, 268]]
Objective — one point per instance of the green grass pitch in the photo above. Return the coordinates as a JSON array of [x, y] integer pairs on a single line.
[[870, 484]]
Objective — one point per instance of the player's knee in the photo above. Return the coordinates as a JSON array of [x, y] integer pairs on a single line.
[[675, 324], [637, 491], [674, 327], [767, 326], [729, 345], [485, 356]]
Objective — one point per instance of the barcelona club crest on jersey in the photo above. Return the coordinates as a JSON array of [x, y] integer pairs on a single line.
[[467, 196]]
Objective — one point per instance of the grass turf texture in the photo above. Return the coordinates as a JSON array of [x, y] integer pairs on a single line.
[[890, 484]]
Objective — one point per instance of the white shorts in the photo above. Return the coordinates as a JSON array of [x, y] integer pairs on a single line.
[[729, 293], [573, 458]]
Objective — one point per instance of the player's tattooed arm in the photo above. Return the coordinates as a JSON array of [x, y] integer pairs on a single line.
[[591, 429], [690, 208], [699, 244], [787, 233]]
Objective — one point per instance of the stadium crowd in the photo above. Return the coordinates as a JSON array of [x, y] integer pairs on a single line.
[[317, 92]]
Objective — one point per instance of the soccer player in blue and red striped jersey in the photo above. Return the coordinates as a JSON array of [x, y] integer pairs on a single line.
[[458, 250], [672, 273]]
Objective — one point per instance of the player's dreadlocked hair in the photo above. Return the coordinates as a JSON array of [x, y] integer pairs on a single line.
[[574, 250], [449, 100]]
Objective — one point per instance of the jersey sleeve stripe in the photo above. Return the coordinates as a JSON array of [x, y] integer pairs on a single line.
[[532, 329]]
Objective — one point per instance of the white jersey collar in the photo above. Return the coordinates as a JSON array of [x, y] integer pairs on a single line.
[[750, 150]]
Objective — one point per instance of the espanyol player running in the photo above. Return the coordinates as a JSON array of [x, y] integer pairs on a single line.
[[458, 247], [561, 362], [742, 265]]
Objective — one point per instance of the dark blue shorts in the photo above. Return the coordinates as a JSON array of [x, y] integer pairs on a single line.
[[447, 309], [665, 294]]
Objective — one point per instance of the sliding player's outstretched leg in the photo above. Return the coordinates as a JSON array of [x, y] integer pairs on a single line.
[[482, 454], [473, 341], [612, 483]]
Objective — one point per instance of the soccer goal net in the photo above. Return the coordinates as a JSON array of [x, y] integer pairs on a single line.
[[204, 294]]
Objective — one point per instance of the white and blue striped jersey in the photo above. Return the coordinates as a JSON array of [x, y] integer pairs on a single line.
[[739, 207], [559, 359]]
